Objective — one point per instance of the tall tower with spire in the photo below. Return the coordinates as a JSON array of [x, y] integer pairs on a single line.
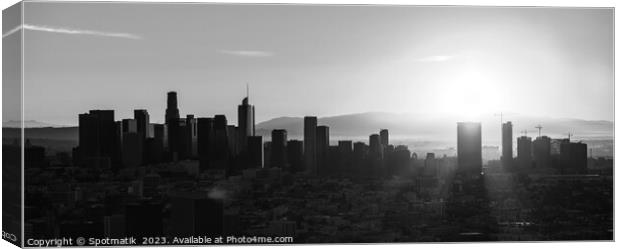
[[245, 113]]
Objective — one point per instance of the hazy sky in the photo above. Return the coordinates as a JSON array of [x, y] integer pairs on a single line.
[[316, 60]]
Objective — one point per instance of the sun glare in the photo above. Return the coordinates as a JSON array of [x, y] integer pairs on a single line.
[[470, 93]]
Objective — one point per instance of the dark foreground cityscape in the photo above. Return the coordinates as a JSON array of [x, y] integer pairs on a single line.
[[203, 177]]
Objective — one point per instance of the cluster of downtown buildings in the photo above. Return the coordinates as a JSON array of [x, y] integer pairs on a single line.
[[228, 149], [543, 154]]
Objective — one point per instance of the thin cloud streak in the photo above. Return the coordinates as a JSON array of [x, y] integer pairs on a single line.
[[247, 53], [70, 31]]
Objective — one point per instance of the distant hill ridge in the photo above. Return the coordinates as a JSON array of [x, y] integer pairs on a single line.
[[429, 127], [27, 124]]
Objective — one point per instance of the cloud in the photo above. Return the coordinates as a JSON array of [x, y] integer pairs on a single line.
[[436, 58], [70, 31], [247, 53]]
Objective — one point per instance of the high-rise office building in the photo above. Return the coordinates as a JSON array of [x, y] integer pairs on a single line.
[[310, 144], [469, 147], [360, 164], [556, 144], [255, 152], [132, 144], [191, 125], [541, 151], [385, 137], [172, 109], [331, 162], [155, 145], [400, 160], [233, 140], [322, 149], [278, 149], [345, 149], [205, 142], [129, 126], [97, 139], [294, 155], [142, 122], [573, 158], [266, 153], [245, 113], [375, 155], [172, 124], [143, 129], [507, 144], [375, 147], [221, 148], [182, 152], [524, 151]]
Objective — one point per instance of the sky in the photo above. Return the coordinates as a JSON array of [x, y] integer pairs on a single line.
[[315, 60]]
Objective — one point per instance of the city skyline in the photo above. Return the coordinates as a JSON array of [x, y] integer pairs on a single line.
[[439, 60], [441, 137]]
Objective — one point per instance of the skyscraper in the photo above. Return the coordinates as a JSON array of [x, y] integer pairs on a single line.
[[400, 160], [375, 155], [255, 152], [182, 144], [132, 144], [375, 146], [278, 149], [385, 137], [322, 149], [97, 140], [172, 123], [221, 148], [294, 155], [507, 144], [172, 110], [191, 136], [524, 151], [541, 151], [129, 126], [142, 122], [469, 147], [360, 164], [155, 145], [205, 142], [233, 140], [573, 158], [245, 113], [310, 144], [143, 129], [345, 149]]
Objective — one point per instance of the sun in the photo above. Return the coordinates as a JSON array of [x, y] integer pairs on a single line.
[[470, 93]]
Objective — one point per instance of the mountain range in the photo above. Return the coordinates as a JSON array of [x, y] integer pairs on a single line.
[[27, 124], [361, 125], [437, 127]]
